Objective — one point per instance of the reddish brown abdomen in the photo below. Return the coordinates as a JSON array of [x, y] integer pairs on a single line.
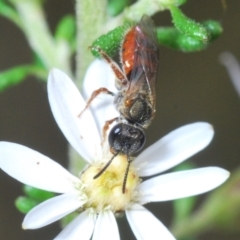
[[128, 50]]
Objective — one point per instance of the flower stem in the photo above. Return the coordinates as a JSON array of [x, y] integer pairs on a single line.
[[91, 16], [39, 36]]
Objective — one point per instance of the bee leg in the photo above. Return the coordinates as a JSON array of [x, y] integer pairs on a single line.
[[106, 166], [94, 95], [122, 79], [106, 127], [126, 175]]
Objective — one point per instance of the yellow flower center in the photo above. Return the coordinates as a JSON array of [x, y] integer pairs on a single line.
[[106, 190]]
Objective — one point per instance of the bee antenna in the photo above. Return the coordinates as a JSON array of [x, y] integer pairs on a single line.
[[126, 174], [106, 166]]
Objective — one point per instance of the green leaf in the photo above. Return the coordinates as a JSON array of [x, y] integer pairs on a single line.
[[10, 13], [188, 26], [110, 42], [16, 75], [25, 204], [37, 61], [33, 197], [66, 29], [13, 76], [37, 194], [117, 6], [171, 37]]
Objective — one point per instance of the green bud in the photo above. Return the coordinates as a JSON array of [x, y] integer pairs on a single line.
[[188, 26], [110, 42], [214, 28], [66, 29], [171, 37], [25, 204], [37, 194], [115, 6]]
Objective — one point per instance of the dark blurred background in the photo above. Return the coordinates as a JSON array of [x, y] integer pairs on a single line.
[[191, 87]]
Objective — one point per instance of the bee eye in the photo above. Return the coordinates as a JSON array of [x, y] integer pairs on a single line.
[[125, 138]]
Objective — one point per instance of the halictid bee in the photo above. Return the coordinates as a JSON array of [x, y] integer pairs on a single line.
[[135, 99]]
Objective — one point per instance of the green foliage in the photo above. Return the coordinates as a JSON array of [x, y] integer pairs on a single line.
[[115, 6], [66, 29], [13, 76], [186, 36], [16, 75], [25, 204], [37, 194], [184, 206], [9, 12], [33, 197], [188, 26], [223, 205], [110, 42], [214, 29], [171, 37]]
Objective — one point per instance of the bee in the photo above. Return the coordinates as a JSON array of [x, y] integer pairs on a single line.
[[135, 99]]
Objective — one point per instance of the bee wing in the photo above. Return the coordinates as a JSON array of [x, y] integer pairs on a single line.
[[146, 58]]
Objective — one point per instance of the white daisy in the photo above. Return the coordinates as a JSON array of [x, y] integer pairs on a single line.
[[99, 200]]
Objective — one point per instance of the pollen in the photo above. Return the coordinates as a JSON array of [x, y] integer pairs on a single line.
[[106, 190]]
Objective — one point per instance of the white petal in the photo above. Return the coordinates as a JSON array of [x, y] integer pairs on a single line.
[[32, 168], [66, 105], [145, 225], [182, 184], [233, 68], [80, 228], [174, 148], [53, 210], [99, 74], [106, 227]]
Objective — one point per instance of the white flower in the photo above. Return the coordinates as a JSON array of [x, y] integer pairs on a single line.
[[99, 200]]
